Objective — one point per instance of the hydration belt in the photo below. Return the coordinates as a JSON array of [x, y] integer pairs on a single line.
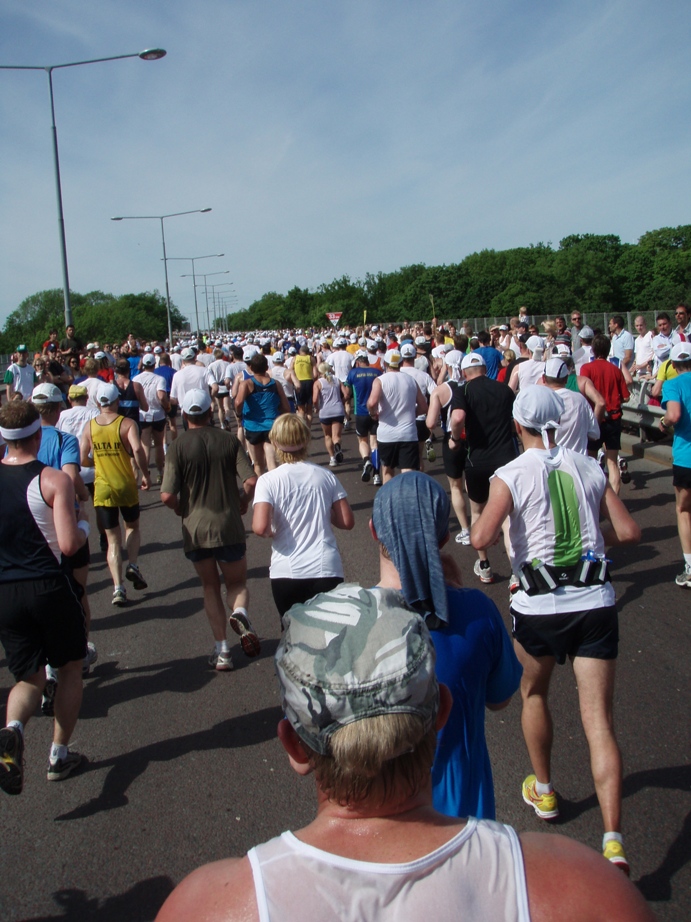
[[541, 578]]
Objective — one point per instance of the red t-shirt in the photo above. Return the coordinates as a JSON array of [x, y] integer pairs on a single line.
[[609, 381]]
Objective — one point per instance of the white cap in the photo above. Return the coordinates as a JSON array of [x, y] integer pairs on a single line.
[[195, 402], [99, 355], [47, 393], [147, 348], [556, 368], [681, 352], [149, 359], [420, 341], [353, 337], [408, 351], [392, 357], [586, 333], [472, 360], [188, 354], [279, 357], [158, 350], [107, 394], [534, 343], [562, 349]]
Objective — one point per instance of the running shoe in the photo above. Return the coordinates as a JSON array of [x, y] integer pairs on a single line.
[[431, 453], [135, 577], [248, 636], [463, 537], [623, 470], [545, 805], [601, 459], [58, 769], [221, 661], [333, 462], [11, 767], [684, 579], [614, 852], [485, 573], [376, 480], [338, 453], [346, 425], [48, 698], [514, 583], [89, 659], [367, 471], [119, 598]]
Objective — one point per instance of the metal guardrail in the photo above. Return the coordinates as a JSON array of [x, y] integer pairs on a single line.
[[638, 413]]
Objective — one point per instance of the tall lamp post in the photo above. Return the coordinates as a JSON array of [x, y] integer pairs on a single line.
[[193, 259], [213, 296], [161, 218], [150, 54], [205, 276]]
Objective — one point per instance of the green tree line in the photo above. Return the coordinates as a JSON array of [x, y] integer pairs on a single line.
[[97, 316], [595, 273], [591, 272]]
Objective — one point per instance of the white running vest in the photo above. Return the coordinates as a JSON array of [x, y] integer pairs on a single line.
[[478, 875]]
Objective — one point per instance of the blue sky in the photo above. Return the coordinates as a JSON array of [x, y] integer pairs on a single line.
[[333, 137]]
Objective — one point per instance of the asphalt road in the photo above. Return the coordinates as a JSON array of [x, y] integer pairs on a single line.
[[184, 766]]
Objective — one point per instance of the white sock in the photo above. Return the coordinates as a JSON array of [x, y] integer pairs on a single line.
[[612, 837], [224, 647], [57, 752], [543, 788], [242, 611], [687, 559], [17, 725]]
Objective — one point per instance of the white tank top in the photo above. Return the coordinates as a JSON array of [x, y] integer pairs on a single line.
[[478, 875]]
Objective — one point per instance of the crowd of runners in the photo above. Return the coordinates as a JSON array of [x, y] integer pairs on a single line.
[[527, 422]]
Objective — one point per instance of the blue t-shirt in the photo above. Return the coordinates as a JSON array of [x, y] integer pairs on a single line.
[[475, 659], [58, 448], [492, 359], [166, 372], [361, 380], [679, 390]]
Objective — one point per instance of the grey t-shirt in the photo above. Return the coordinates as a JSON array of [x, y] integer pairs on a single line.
[[202, 466]]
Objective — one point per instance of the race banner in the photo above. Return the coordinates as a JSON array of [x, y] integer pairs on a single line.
[[334, 318]]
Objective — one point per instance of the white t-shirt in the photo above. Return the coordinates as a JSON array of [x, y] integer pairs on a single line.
[[341, 362], [189, 377], [643, 348], [304, 545], [424, 382], [397, 408], [216, 373], [556, 512], [577, 423], [151, 385]]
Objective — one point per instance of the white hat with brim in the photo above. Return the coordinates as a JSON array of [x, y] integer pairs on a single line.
[[196, 402], [46, 393], [107, 394], [472, 360]]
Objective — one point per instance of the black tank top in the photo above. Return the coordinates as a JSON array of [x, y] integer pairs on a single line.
[[129, 405], [28, 544]]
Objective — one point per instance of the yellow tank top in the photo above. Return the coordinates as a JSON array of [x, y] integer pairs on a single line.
[[302, 366], [115, 484]]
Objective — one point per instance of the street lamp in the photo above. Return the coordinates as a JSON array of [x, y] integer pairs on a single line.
[[161, 218], [193, 259], [216, 299], [205, 276], [150, 54]]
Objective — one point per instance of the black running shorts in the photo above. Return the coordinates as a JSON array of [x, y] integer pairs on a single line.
[[41, 621], [593, 634], [402, 455]]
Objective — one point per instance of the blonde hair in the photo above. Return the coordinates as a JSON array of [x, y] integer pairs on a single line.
[[550, 327], [509, 355], [289, 429], [375, 758], [326, 371]]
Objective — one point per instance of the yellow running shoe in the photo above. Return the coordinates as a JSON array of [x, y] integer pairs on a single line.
[[545, 805], [614, 852]]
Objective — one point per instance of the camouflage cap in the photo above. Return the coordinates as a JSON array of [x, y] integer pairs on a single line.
[[354, 653]]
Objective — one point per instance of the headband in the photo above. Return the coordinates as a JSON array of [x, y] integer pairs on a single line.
[[288, 449], [15, 435]]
